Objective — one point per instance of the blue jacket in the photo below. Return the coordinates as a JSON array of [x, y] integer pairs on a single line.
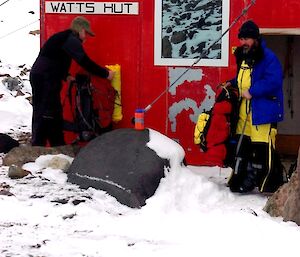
[[266, 89]]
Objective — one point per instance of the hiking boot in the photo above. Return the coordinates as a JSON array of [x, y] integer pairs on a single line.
[[245, 189], [250, 180]]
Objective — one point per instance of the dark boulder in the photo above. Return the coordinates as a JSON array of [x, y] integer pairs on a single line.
[[120, 163], [7, 143]]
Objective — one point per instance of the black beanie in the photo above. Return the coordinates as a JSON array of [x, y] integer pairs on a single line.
[[249, 30]]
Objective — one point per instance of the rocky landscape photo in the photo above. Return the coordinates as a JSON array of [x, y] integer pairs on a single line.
[[189, 27]]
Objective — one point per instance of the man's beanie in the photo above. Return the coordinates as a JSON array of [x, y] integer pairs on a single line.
[[249, 30], [79, 23]]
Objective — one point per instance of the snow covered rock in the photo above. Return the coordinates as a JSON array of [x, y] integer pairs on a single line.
[[120, 163], [12, 83], [58, 162]]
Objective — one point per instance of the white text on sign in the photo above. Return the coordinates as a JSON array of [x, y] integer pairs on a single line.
[[131, 8]]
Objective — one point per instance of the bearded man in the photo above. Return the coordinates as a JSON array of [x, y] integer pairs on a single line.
[[259, 81]]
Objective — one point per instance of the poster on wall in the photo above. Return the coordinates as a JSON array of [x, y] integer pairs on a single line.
[[184, 29]]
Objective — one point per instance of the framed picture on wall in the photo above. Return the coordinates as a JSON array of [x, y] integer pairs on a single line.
[[184, 29]]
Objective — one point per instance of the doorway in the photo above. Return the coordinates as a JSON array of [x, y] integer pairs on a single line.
[[287, 49]]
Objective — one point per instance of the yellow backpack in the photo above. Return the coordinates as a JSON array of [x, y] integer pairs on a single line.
[[201, 129], [116, 84]]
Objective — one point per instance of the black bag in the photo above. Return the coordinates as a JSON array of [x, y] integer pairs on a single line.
[[277, 175], [85, 119]]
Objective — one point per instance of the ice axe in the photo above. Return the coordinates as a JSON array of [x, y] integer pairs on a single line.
[[238, 147]]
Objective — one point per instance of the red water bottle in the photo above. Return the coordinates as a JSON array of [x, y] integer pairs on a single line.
[[139, 119]]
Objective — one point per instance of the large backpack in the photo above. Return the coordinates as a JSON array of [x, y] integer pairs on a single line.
[[215, 127], [89, 119], [204, 119]]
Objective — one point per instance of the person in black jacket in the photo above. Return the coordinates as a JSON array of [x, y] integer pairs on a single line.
[[49, 70]]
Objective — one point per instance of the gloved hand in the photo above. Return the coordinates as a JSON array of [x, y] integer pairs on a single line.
[[70, 79], [224, 84], [246, 94], [110, 74]]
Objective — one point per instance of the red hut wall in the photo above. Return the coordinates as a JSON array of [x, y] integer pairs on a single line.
[[128, 40]]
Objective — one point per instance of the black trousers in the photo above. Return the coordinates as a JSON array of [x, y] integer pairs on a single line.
[[47, 119], [250, 167]]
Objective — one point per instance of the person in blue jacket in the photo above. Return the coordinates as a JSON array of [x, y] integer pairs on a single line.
[[259, 80], [48, 72]]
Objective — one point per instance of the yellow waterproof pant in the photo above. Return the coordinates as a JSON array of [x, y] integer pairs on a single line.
[[257, 133]]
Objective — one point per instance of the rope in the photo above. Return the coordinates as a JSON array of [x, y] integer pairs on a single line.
[[4, 2], [12, 32], [203, 54]]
